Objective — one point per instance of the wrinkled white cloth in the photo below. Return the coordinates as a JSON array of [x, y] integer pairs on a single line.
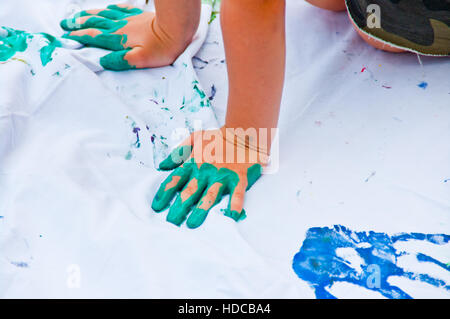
[[362, 143]]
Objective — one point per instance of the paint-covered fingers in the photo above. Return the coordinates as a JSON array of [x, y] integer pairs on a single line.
[[89, 22], [185, 200], [178, 156], [79, 34], [108, 13], [169, 188], [212, 196], [136, 58], [235, 208], [96, 38], [125, 8], [112, 12], [118, 60]]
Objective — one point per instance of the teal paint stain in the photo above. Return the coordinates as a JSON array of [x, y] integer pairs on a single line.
[[198, 90], [47, 51], [17, 41], [198, 100], [128, 156]]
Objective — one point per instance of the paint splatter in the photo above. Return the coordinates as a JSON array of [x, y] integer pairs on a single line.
[[423, 85], [213, 92], [135, 131], [370, 176], [372, 77], [128, 156], [366, 259], [138, 141], [198, 90], [154, 101], [20, 264], [213, 16], [198, 63], [446, 180]]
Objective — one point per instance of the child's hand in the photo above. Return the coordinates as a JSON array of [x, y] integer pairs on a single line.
[[204, 178], [133, 35]]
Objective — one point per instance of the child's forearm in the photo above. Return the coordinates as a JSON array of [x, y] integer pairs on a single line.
[[177, 21], [254, 35]]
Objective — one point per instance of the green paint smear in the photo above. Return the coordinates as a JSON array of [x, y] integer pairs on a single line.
[[17, 41], [47, 51], [213, 16], [206, 176]]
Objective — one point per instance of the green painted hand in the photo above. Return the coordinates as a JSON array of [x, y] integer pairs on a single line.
[[132, 34], [202, 176]]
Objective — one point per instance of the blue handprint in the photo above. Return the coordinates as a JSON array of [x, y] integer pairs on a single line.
[[318, 263]]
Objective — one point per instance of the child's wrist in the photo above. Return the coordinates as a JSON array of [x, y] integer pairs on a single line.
[[252, 139]]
